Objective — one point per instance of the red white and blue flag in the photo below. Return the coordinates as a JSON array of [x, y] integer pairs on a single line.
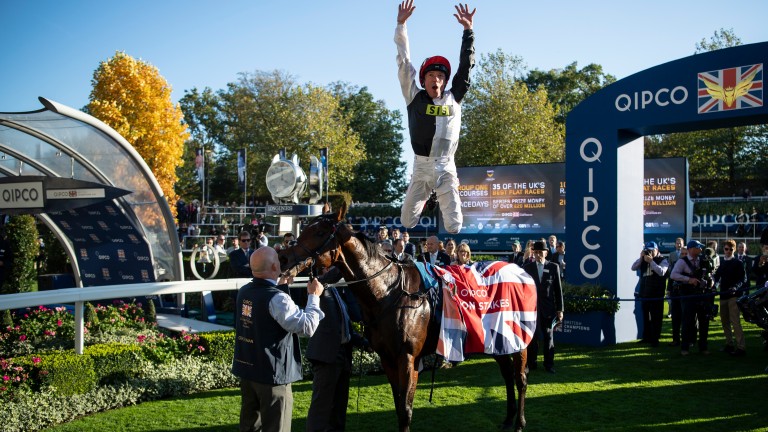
[[488, 307], [730, 89]]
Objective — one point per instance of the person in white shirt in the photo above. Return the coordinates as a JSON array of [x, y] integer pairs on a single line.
[[434, 120], [261, 239], [433, 254], [220, 247], [267, 327]]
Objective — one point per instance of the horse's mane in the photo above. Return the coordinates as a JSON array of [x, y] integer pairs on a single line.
[[371, 248]]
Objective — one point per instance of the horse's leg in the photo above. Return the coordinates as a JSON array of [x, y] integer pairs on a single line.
[[507, 372], [409, 377], [393, 376], [519, 361]]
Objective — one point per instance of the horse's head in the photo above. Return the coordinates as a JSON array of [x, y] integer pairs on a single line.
[[317, 245]]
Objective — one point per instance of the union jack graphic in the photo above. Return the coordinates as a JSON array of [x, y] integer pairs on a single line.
[[730, 89], [488, 307], [247, 310]]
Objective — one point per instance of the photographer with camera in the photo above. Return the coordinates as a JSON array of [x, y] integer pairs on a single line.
[[673, 290], [694, 274], [731, 278], [652, 268]]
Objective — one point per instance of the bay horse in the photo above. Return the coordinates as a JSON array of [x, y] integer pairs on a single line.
[[396, 313]]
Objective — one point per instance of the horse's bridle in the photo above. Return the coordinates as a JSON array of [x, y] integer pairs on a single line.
[[315, 255]]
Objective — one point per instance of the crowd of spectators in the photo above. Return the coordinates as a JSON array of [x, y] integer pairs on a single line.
[[703, 284], [195, 222]]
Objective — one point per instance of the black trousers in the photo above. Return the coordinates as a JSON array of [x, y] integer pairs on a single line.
[[676, 310], [653, 314], [695, 318], [330, 394], [543, 331]]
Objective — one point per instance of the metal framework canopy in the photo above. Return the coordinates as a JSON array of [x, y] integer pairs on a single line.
[[110, 238]]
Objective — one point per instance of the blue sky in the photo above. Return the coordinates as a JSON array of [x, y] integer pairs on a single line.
[[51, 48]]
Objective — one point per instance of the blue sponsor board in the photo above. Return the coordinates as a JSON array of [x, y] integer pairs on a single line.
[[590, 328], [109, 249]]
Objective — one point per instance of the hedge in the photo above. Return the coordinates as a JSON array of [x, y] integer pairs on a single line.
[[64, 386], [35, 411], [219, 346], [114, 362], [69, 373]]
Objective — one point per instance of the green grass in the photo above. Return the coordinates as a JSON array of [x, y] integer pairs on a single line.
[[626, 387]]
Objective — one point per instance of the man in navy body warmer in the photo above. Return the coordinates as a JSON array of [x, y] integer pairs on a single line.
[[267, 357], [434, 121]]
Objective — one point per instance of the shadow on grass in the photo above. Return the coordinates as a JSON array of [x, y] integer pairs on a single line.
[[626, 387]]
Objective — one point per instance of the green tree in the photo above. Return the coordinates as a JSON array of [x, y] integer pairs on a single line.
[[381, 176], [503, 121], [201, 113], [722, 161], [56, 260], [135, 100], [264, 112], [567, 87], [723, 38], [21, 233]]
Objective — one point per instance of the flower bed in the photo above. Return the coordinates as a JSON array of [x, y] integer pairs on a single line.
[[126, 360]]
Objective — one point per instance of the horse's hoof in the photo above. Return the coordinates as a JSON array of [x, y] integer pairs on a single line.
[[517, 426]]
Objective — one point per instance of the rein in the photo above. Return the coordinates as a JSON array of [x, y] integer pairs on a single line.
[[369, 278]]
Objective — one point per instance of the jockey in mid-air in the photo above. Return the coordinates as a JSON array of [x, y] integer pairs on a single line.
[[434, 120]]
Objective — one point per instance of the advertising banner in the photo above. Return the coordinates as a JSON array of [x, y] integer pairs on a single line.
[[505, 203]]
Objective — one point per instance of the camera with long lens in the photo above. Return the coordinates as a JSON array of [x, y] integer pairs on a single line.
[[706, 268], [754, 309], [704, 274]]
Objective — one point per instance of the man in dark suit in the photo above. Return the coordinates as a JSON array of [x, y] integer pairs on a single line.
[[434, 255], [239, 259], [330, 352], [267, 357], [517, 253], [399, 251], [409, 247], [549, 291], [741, 255], [552, 245]]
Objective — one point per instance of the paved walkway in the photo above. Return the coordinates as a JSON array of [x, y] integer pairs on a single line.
[[179, 323]]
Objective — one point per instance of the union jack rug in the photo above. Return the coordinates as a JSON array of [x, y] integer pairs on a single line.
[[488, 307]]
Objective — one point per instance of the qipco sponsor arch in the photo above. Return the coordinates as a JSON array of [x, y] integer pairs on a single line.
[[604, 153]]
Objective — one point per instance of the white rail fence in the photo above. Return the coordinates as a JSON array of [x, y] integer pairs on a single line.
[[79, 296]]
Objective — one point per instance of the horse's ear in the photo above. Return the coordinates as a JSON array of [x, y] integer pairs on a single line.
[[342, 212]]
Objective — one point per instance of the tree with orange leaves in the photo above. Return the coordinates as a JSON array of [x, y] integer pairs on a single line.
[[133, 98]]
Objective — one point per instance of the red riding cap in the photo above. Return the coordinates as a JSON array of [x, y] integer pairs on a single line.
[[436, 63]]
